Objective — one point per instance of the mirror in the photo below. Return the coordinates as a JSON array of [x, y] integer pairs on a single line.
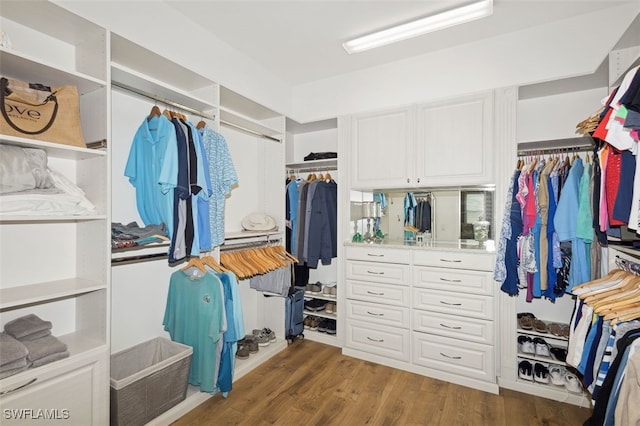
[[439, 214]]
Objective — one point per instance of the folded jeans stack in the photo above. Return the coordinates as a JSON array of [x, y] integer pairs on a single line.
[[35, 335]]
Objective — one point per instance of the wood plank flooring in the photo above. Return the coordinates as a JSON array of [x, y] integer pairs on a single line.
[[310, 383]]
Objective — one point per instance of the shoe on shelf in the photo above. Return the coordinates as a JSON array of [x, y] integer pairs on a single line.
[[560, 354], [331, 326], [555, 329], [243, 350], [540, 326], [334, 291], [314, 323], [261, 337], [525, 320], [525, 345], [326, 291], [330, 308], [557, 374], [307, 322], [315, 305], [525, 370], [322, 326], [316, 288], [542, 349], [541, 373], [572, 383]]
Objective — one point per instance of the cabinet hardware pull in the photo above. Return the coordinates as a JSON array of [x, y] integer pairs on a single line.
[[377, 315], [375, 340], [450, 357], [375, 255], [375, 294], [450, 281], [418, 180], [450, 304], [375, 273], [408, 180], [447, 260], [448, 326], [19, 387]]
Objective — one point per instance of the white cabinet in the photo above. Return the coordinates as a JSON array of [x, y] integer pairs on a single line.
[[436, 144], [381, 149], [57, 265], [454, 141]]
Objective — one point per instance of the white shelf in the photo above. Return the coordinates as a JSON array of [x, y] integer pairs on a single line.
[[310, 295], [25, 68], [541, 359], [544, 335], [329, 164], [231, 238], [235, 119], [53, 149], [48, 218], [321, 314], [14, 297]]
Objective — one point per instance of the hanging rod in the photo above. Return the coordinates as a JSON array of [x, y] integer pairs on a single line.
[[582, 143], [310, 169], [243, 246], [253, 132], [162, 100]]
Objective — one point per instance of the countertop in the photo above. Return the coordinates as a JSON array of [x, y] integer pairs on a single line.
[[460, 245]]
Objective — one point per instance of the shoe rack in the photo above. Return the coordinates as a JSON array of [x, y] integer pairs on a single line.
[[316, 335]]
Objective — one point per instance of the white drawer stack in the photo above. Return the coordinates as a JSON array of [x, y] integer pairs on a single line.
[[377, 301], [453, 313]]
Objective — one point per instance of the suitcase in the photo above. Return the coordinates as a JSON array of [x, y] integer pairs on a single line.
[[294, 315]]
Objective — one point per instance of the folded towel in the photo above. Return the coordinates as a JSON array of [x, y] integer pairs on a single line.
[[26, 325], [43, 347], [13, 364], [36, 335], [50, 358], [11, 349], [8, 373]]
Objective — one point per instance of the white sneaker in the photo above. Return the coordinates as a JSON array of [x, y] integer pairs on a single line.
[[557, 373], [541, 347], [525, 345], [572, 383]]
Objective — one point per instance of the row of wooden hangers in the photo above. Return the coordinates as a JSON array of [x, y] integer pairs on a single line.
[[246, 263], [614, 297], [155, 112], [312, 176]]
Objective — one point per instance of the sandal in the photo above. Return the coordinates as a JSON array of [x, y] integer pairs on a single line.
[[555, 329], [525, 323], [540, 326], [541, 373], [524, 370]]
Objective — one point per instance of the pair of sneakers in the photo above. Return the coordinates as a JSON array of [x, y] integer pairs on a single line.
[[247, 346], [537, 372], [561, 377], [536, 346], [264, 337]]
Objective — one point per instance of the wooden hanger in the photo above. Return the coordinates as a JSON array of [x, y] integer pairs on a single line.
[[195, 262], [201, 124], [628, 282], [213, 264], [328, 178], [612, 275], [155, 112]]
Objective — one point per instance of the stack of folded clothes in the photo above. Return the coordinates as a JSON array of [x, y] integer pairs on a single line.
[[13, 356], [35, 335]]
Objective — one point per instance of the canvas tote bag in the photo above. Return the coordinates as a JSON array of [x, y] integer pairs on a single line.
[[36, 111]]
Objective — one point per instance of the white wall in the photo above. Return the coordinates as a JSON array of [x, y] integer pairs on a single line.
[[304, 143], [569, 48]]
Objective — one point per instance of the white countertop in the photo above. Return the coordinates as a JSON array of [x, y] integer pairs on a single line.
[[465, 245]]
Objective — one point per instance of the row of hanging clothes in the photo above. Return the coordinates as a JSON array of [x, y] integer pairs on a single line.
[[181, 173], [545, 245], [312, 218], [604, 344], [204, 310], [418, 210]]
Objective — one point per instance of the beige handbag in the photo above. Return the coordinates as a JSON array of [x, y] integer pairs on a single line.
[[36, 111]]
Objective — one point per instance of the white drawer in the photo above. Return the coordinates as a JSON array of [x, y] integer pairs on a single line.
[[378, 339], [447, 302], [378, 293], [454, 356], [387, 273], [395, 316], [453, 280], [471, 329], [454, 259], [378, 254]]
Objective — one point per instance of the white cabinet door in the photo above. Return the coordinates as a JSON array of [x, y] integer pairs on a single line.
[[453, 142], [381, 149]]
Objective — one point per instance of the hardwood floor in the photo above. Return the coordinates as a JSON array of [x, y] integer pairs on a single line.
[[310, 383]]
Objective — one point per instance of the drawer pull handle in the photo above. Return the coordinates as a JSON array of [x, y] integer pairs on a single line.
[[375, 340], [374, 314], [447, 260], [450, 281], [375, 294], [19, 387], [451, 327], [450, 357], [375, 273], [450, 304], [375, 255]]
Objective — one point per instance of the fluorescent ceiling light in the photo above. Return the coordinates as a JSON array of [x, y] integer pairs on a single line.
[[439, 21]]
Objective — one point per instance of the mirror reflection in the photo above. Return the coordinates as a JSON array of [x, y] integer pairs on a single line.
[[441, 214]]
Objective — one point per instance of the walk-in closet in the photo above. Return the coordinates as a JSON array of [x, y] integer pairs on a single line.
[[230, 216]]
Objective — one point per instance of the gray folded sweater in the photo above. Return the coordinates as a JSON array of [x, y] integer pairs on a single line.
[[11, 349], [43, 347], [26, 325]]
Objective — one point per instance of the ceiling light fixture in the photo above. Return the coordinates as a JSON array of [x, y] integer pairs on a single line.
[[439, 21]]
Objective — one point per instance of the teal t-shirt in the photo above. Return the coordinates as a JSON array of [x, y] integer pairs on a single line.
[[193, 316]]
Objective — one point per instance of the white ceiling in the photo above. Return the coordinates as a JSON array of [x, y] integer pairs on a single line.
[[301, 41]]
